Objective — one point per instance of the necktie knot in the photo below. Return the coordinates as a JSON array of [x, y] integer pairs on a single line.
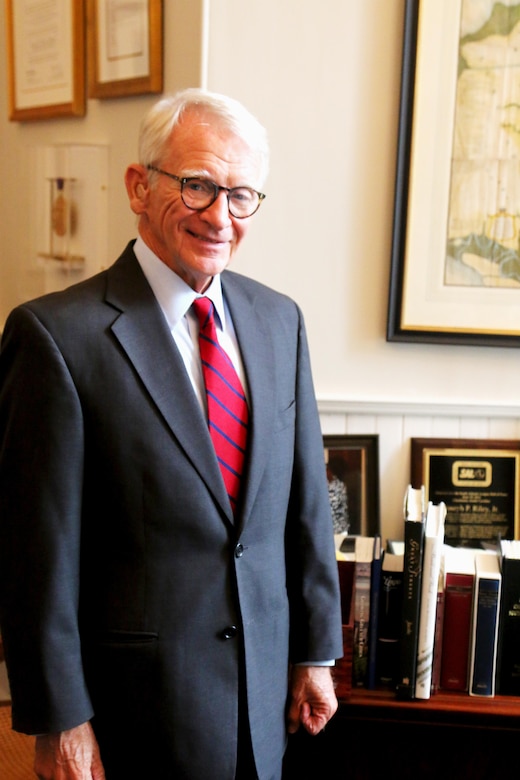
[[203, 308], [227, 405]]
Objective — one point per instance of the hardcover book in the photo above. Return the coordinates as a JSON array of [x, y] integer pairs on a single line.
[[433, 546], [390, 610], [484, 633], [459, 566], [439, 626], [508, 652], [362, 577], [375, 586], [414, 514]]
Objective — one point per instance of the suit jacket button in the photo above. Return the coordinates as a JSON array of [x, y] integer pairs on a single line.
[[239, 550], [229, 632]]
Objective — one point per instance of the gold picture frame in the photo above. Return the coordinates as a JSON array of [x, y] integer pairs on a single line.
[[125, 48], [45, 59]]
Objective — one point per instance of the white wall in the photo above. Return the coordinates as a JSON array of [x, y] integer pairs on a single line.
[[324, 79], [111, 122]]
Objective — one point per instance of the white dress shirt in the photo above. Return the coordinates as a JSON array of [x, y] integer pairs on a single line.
[[175, 298]]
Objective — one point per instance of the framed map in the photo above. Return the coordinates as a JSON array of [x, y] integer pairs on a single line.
[[455, 275]]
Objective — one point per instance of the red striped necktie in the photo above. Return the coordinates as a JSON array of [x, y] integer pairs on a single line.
[[227, 405]]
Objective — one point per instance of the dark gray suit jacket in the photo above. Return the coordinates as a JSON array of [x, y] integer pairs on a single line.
[[128, 591]]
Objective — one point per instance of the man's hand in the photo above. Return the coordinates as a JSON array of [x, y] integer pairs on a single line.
[[69, 755], [312, 701]]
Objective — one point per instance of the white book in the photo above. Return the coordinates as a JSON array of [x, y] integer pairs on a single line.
[[432, 559]]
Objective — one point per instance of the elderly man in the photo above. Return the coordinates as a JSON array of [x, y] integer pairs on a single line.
[[168, 585]]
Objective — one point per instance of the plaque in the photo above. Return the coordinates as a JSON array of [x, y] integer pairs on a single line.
[[479, 482]]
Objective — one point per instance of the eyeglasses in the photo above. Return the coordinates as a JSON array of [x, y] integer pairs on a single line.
[[199, 194]]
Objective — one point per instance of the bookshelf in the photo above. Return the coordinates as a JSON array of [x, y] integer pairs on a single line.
[[443, 708], [374, 735]]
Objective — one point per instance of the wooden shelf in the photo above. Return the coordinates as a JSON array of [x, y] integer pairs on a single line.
[[373, 735], [443, 708]]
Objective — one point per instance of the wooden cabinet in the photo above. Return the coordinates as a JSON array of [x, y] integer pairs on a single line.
[[375, 737]]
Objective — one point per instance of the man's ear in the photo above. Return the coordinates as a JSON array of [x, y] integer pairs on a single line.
[[137, 187]]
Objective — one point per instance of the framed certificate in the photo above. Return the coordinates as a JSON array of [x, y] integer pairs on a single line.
[[479, 481], [125, 47], [45, 58]]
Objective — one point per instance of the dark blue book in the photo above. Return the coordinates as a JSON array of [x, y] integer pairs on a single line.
[[389, 623], [375, 583], [484, 633]]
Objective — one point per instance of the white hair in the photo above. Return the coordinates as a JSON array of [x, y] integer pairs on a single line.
[[159, 122]]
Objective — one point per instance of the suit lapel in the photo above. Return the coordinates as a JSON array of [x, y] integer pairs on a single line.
[[143, 333]]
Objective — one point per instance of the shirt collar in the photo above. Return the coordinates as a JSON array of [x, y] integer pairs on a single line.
[[174, 296]]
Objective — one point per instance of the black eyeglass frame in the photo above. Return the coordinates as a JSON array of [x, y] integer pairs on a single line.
[[183, 180]]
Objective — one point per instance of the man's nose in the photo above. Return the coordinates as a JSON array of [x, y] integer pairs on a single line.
[[218, 212]]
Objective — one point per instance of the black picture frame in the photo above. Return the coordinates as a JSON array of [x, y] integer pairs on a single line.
[[354, 460], [425, 304], [478, 480]]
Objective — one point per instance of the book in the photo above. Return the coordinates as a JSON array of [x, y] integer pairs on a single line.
[[433, 546], [459, 578], [364, 550], [375, 585], [414, 517], [439, 626], [389, 624], [395, 546], [508, 651], [484, 632], [345, 546]]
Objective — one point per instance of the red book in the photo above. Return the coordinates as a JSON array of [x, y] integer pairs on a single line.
[[456, 633]]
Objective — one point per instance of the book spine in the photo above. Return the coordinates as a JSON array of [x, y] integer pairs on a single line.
[[428, 608], [508, 653], [361, 623], [437, 642], [458, 600], [390, 609], [484, 637], [413, 554], [375, 585]]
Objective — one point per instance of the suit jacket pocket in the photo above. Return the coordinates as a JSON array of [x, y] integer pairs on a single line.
[[122, 637]]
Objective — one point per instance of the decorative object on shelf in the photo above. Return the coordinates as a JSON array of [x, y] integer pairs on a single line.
[[45, 59], [455, 273], [62, 211], [69, 194], [353, 473], [125, 47], [478, 479]]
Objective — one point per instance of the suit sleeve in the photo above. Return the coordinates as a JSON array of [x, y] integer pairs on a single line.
[[41, 468], [311, 560]]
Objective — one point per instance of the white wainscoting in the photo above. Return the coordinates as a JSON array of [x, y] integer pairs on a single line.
[[397, 422]]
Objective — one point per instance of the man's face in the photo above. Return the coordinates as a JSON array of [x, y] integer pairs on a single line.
[[196, 244]]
